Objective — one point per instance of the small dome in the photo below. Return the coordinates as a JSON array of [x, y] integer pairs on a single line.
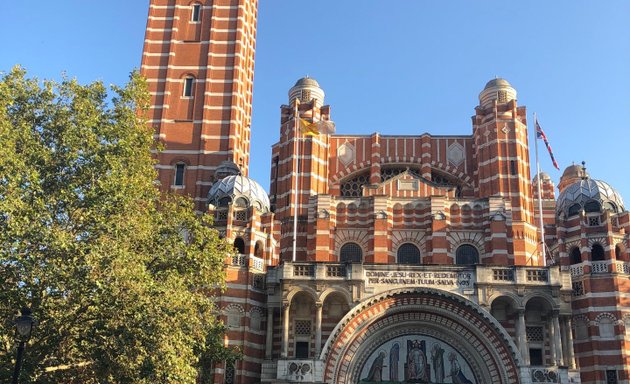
[[589, 195], [498, 82], [574, 171], [543, 176], [306, 82], [496, 89], [239, 190], [307, 90], [227, 168], [572, 174]]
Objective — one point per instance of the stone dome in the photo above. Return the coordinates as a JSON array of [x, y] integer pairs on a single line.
[[589, 195], [240, 191], [573, 173], [496, 89], [307, 89], [544, 176], [306, 82]]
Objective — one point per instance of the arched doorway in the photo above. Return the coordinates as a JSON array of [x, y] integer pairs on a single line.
[[419, 334]]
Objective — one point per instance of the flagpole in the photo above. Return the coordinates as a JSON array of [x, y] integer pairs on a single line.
[[295, 177], [540, 211]]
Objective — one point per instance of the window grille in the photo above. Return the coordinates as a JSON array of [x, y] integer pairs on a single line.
[[230, 373], [408, 254], [302, 327], [259, 281], [240, 215], [535, 334], [466, 254], [354, 187], [611, 376], [221, 215], [351, 253], [335, 271], [593, 221], [578, 288]]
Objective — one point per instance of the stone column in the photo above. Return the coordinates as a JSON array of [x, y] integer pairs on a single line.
[[284, 352], [557, 340], [318, 328], [269, 336], [521, 336], [570, 355]]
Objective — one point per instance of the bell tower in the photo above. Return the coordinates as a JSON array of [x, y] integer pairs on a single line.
[[502, 159], [198, 59]]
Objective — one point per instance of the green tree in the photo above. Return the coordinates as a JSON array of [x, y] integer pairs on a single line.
[[118, 274]]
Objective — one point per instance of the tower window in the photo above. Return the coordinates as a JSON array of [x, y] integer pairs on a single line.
[[196, 13], [502, 96], [408, 254], [576, 256], [188, 86], [513, 167], [351, 253], [239, 244], [597, 252], [179, 174]]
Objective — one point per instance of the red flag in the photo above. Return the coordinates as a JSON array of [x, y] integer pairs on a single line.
[[541, 135]]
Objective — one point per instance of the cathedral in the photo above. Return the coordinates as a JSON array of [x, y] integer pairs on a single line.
[[385, 258]]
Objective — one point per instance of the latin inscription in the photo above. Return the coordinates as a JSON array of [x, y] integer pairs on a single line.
[[443, 279]]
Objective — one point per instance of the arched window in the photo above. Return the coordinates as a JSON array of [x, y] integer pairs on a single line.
[[597, 252], [619, 253], [575, 256], [225, 201], [592, 206], [408, 254], [575, 209], [351, 253], [239, 244], [241, 202], [466, 255], [606, 327], [179, 174], [258, 249]]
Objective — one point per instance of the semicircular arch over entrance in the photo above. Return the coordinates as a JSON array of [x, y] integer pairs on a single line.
[[483, 347]]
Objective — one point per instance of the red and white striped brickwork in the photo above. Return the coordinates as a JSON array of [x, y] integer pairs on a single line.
[[205, 120]]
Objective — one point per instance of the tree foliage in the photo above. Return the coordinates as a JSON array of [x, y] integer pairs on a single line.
[[117, 273]]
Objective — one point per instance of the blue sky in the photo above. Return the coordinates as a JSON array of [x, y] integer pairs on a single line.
[[394, 67]]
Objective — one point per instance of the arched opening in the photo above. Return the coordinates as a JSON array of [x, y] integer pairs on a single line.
[[408, 254], [597, 252], [241, 202], [575, 209], [301, 318], [351, 253], [575, 256], [258, 249], [537, 311], [239, 244], [592, 206], [466, 254]]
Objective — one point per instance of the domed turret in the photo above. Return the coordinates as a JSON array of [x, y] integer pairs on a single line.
[[305, 90], [572, 174], [543, 177], [496, 89], [586, 194], [239, 190]]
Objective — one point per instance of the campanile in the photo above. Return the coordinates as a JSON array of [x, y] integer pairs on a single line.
[[198, 59]]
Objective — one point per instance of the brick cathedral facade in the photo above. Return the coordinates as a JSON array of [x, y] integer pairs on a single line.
[[416, 258]]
